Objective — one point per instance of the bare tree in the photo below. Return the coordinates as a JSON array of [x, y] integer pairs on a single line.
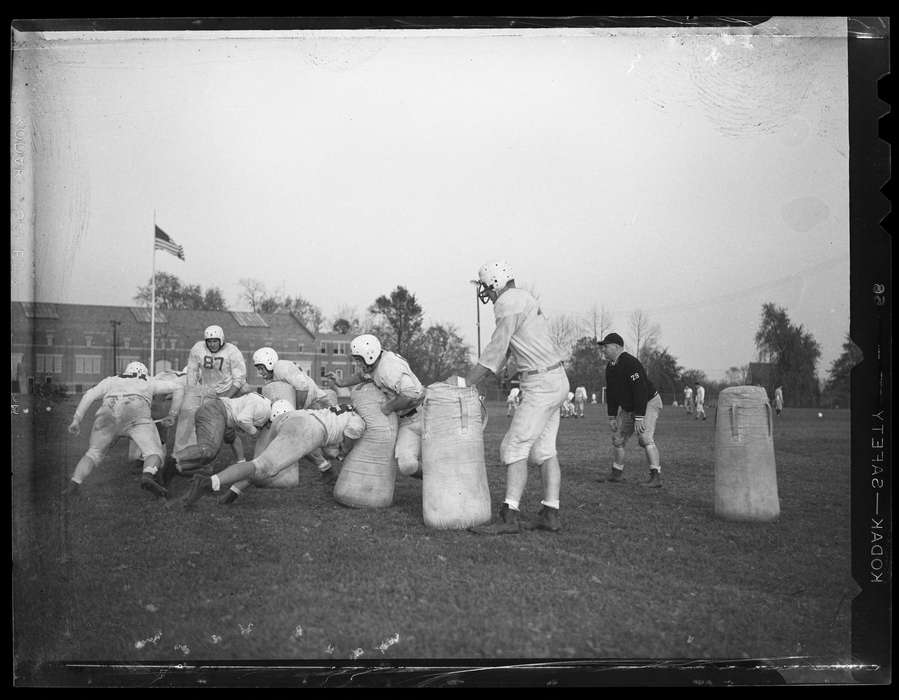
[[600, 321], [254, 292], [643, 331], [564, 331]]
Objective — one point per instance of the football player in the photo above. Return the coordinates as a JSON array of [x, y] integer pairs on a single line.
[[392, 375], [125, 411], [295, 433]]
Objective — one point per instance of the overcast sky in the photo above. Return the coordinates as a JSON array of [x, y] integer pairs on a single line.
[[691, 173]]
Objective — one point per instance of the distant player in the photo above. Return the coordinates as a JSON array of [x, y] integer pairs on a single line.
[[512, 400], [779, 399], [392, 375], [217, 421], [688, 400], [580, 400], [295, 433], [567, 408], [125, 411], [593, 397], [214, 369], [699, 401], [307, 394]]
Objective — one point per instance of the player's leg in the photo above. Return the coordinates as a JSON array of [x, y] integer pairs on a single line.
[[210, 423], [545, 454], [146, 437], [408, 446], [647, 442], [103, 431]]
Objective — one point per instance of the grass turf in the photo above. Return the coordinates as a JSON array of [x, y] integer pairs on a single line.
[[290, 574]]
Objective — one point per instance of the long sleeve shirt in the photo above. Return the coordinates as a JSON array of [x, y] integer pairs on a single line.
[[521, 332], [627, 386], [393, 376], [287, 371], [247, 410], [120, 387], [218, 370]]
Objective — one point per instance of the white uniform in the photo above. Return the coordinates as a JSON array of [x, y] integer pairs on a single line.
[[779, 400], [700, 400], [580, 400], [522, 328], [316, 397], [297, 433], [125, 411], [393, 376], [165, 375], [688, 399], [512, 400], [209, 375]]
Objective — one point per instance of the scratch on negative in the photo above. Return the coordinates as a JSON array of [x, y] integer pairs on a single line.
[[387, 643], [152, 640]]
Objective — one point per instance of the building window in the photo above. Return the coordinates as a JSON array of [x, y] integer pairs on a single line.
[[88, 340], [126, 342], [47, 364], [87, 364], [339, 373], [324, 349], [322, 371], [172, 343], [49, 339], [300, 347]]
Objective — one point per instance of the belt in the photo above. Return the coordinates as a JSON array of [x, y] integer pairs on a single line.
[[528, 373]]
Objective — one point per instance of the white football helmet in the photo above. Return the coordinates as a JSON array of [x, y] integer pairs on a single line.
[[280, 407], [355, 426], [493, 276], [214, 333], [267, 357], [368, 347], [136, 369]]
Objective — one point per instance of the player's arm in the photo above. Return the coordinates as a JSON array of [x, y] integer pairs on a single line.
[[494, 356], [352, 380], [93, 394], [193, 367], [408, 392], [176, 389], [238, 372], [640, 392]]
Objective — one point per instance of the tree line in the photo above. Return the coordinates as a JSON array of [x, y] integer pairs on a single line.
[[436, 351]]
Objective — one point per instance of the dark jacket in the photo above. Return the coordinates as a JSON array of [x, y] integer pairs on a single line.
[[627, 386]]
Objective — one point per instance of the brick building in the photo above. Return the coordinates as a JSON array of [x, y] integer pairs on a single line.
[[74, 346]]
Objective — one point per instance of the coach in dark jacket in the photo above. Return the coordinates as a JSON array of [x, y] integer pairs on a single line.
[[634, 405]]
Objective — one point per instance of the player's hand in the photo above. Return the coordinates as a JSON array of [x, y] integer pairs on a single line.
[[386, 411], [168, 421], [331, 375], [639, 426], [74, 428], [613, 424]]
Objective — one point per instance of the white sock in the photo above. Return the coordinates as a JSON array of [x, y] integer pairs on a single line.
[[513, 505], [656, 468], [550, 504], [324, 466], [151, 470], [619, 467], [236, 490], [216, 484]]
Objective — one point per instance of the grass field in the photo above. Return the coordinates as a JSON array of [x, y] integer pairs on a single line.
[[636, 573]]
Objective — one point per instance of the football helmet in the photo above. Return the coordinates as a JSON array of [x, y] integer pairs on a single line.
[[136, 369], [493, 276], [368, 347]]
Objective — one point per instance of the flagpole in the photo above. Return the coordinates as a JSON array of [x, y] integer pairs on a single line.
[[153, 304]]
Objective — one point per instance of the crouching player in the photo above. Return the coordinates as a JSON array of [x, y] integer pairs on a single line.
[[216, 423], [295, 433], [125, 411]]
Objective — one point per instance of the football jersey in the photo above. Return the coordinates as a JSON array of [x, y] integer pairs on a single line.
[[218, 370], [522, 329], [580, 393], [339, 423], [247, 409], [113, 390], [287, 371], [394, 377], [700, 394]]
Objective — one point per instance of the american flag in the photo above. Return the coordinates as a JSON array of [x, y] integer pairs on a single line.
[[164, 242]]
